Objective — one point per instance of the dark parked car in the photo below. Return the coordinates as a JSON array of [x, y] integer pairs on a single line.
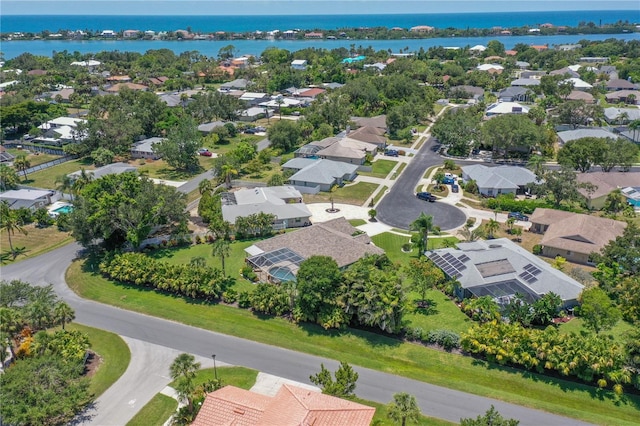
[[518, 216], [448, 180], [427, 196], [455, 188], [391, 152], [251, 131]]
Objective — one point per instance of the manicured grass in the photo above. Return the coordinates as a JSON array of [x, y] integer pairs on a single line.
[[371, 351], [115, 356], [399, 171], [442, 313], [233, 263], [156, 412], [381, 418], [380, 168], [240, 377], [36, 242], [379, 195], [355, 194], [46, 178], [34, 158], [357, 222], [576, 325], [392, 245], [159, 169]]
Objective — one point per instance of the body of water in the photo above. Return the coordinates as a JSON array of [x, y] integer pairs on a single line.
[[38, 23], [11, 49]]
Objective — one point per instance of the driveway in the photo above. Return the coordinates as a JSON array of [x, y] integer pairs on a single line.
[[400, 206], [373, 385]]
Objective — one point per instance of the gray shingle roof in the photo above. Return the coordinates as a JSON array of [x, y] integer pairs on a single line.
[[570, 135], [501, 177], [323, 171]]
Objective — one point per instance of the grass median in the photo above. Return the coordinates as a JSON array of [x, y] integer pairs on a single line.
[[371, 351]]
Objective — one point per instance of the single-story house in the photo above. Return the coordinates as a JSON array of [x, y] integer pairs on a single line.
[[132, 86], [60, 131], [632, 194], [299, 64], [466, 92], [523, 65], [478, 48], [207, 128], [501, 269], [369, 134], [29, 198], [619, 84], [565, 71], [348, 150], [573, 236], [255, 113], [615, 115], [109, 169], [319, 174], [532, 75], [490, 68], [311, 93], [506, 108], [578, 84], [144, 149], [278, 258], [62, 94], [626, 96], [577, 95], [254, 98], [515, 94], [379, 121], [277, 102], [591, 132], [606, 183], [177, 99], [493, 181], [525, 82], [238, 84], [291, 405], [609, 70], [285, 202]]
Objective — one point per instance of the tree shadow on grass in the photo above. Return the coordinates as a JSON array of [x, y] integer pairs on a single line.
[[170, 173], [370, 335], [425, 307], [566, 384]]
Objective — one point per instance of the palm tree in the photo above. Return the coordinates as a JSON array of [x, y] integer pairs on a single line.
[[472, 235], [491, 227], [21, 163], [62, 313], [227, 172], [510, 222], [83, 180], [10, 222], [536, 165], [634, 125], [65, 184], [403, 407], [221, 249], [184, 369], [205, 185], [423, 224]]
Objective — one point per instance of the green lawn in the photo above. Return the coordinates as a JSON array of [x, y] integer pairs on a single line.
[[233, 264], [156, 412], [34, 157], [46, 178], [370, 351], [380, 168], [381, 418], [355, 194], [399, 171], [114, 353], [36, 242], [379, 195], [357, 222], [161, 407], [576, 325]]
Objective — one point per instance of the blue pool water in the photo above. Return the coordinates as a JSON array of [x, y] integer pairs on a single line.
[[64, 209]]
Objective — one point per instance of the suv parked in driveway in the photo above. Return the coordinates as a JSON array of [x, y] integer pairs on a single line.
[[518, 216], [391, 152], [427, 196]]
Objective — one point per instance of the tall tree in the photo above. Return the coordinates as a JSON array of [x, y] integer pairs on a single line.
[[581, 154], [319, 289], [597, 310], [22, 164], [512, 132], [284, 135], [180, 148], [10, 222], [344, 384], [425, 276], [423, 225], [8, 178], [221, 249], [63, 313], [404, 408], [561, 185], [491, 418], [184, 369]]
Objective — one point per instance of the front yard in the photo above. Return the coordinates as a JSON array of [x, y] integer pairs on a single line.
[[36, 242], [356, 194]]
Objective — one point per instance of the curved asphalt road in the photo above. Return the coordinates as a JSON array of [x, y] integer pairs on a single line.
[[400, 206], [372, 385]]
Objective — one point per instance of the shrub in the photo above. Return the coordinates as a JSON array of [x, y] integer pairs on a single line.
[[414, 334], [407, 247], [471, 187], [229, 296], [508, 203], [244, 299], [450, 165], [248, 273], [537, 249], [270, 299], [445, 338], [198, 239]]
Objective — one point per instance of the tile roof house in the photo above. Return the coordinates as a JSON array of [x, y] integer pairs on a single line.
[[493, 181], [591, 132], [314, 175], [606, 183], [374, 135], [379, 121], [466, 92], [573, 236], [525, 82], [624, 96], [501, 269], [284, 202], [291, 406], [577, 95], [336, 238], [620, 84]]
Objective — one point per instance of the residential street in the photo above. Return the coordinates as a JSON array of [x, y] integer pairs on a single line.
[[373, 385]]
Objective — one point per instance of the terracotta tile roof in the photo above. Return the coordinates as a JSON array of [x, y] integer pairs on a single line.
[[311, 93], [578, 233], [232, 406], [292, 406]]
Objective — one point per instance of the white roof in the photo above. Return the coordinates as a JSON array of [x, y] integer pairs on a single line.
[[8, 83], [299, 62], [501, 177], [578, 83], [478, 48], [507, 108], [574, 67], [252, 95], [487, 67], [594, 132], [63, 121], [24, 194]]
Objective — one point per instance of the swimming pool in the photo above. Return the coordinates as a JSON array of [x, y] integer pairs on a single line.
[[63, 209]]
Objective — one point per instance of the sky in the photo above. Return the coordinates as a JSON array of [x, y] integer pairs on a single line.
[[296, 7]]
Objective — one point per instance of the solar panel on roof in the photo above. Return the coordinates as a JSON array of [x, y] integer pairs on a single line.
[[535, 271], [464, 258], [448, 256], [531, 279]]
